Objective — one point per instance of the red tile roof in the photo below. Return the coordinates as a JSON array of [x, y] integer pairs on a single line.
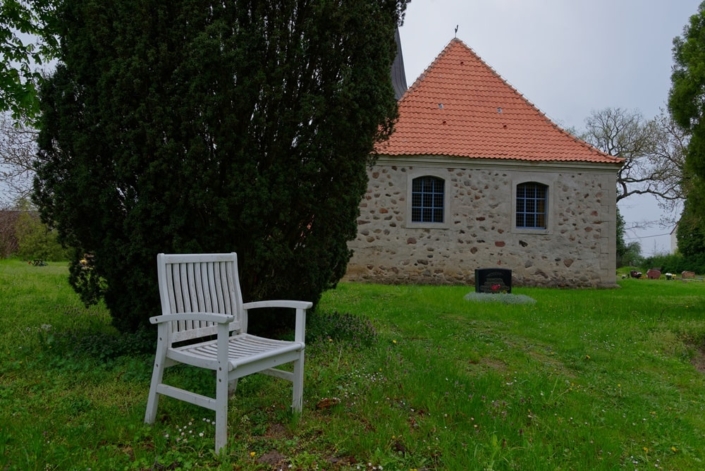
[[461, 107]]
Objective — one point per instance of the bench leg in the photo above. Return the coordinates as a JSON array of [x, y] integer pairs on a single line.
[[157, 377], [297, 402], [221, 410]]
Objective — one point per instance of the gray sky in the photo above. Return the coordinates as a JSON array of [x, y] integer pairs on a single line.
[[568, 57]]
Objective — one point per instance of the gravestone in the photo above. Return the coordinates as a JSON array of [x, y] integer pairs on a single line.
[[493, 280]]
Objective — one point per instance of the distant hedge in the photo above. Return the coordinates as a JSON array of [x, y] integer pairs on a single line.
[[677, 263]]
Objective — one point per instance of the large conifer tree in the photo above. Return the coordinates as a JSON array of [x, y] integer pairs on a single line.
[[686, 103], [202, 126]]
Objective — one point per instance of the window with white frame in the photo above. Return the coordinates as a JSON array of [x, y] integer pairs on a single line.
[[531, 205], [427, 200]]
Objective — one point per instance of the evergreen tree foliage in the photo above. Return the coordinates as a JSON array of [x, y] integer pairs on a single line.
[[690, 234], [632, 255], [193, 126], [628, 254], [621, 244], [686, 101]]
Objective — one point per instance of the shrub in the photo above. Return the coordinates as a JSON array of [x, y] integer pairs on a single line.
[[36, 241], [677, 263]]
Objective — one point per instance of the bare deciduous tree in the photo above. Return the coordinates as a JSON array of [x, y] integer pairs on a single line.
[[17, 151], [8, 238], [668, 161], [654, 153]]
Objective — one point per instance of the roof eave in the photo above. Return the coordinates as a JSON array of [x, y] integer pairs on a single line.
[[485, 162]]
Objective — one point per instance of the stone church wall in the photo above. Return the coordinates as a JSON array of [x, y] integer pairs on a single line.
[[577, 248]]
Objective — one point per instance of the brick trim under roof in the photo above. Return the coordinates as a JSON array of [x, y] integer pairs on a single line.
[[461, 107]]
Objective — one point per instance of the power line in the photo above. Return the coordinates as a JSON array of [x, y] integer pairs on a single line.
[[649, 236]]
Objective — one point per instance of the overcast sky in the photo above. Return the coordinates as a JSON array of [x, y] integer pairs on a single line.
[[568, 57]]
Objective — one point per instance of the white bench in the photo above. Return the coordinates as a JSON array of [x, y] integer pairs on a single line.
[[200, 297]]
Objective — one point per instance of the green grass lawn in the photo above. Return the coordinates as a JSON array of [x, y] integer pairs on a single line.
[[580, 380]]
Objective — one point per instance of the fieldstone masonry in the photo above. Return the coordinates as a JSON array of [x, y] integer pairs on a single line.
[[577, 249]]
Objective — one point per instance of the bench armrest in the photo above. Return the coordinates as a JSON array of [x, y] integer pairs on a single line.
[[285, 304], [193, 316], [300, 306]]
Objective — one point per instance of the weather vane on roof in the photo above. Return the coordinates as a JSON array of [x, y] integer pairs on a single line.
[[456, 30]]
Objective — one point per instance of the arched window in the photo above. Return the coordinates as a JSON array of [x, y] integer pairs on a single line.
[[532, 205], [427, 197]]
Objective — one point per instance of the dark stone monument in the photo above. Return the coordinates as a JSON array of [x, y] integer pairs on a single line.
[[493, 280]]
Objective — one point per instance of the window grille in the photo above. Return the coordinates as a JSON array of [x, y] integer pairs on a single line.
[[427, 199], [532, 199]]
